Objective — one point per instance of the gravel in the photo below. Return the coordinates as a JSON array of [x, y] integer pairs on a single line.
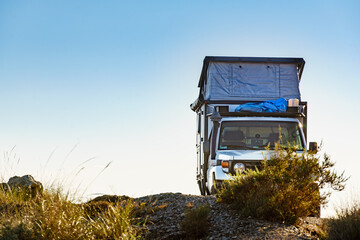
[[164, 221]]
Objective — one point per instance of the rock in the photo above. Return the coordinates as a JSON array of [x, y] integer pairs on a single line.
[[93, 209], [110, 199], [27, 183]]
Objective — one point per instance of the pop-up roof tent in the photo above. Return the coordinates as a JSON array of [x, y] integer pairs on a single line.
[[248, 79]]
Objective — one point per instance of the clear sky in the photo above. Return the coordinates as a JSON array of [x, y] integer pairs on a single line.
[[112, 81]]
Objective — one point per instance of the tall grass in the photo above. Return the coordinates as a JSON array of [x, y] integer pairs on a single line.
[[54, 216], [346, 223], [58, 213]]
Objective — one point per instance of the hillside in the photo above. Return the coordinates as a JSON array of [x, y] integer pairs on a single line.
[[164, 222], [30, 212]]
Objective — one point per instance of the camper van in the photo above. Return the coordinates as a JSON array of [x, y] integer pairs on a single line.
[[245, 106]]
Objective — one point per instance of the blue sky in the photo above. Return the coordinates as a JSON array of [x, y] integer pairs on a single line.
[[113, 81]]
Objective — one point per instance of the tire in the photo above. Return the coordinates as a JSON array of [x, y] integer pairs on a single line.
[[201, 187], [207, 192], [213, 189]]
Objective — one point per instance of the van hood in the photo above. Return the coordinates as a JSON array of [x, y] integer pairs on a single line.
[[255, 155]]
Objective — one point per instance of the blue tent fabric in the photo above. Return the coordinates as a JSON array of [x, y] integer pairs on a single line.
[[279, 105]]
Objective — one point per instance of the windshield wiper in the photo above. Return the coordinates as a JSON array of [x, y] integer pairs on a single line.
[[262, 146], [232, 146], [249, 148], [240, 147]]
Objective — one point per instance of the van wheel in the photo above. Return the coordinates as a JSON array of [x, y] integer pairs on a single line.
[[213, 189], [202, 187], [207, 191]]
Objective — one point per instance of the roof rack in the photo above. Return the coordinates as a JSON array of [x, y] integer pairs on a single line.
[[292, 112], [262, 114]]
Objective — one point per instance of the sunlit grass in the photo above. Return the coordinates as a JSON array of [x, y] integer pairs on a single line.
[[54, 216], [60, 212], [346, 223]]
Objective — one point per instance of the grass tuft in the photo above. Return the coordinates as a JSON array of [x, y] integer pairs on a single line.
[[346, 224], [196, 222], [54, 216]]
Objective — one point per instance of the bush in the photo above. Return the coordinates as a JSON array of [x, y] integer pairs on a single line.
[[287, 187], [346, 225], [196, 222]]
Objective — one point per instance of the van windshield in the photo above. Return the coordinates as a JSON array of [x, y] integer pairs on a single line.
[[257, 135]]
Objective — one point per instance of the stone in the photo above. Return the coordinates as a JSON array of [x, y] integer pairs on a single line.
[[27, 183], [110, 199]]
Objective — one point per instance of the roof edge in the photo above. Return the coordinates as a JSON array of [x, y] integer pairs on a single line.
[[299, 61]]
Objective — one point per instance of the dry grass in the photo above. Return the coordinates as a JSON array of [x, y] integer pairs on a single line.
[[346, 224], [59, 213], [196, 222], [54, 216]]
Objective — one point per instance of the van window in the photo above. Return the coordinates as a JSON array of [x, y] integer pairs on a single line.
[[256, 135], [198, 123]]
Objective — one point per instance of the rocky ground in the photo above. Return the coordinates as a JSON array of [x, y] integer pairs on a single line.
[[164, 213], [225, 223]]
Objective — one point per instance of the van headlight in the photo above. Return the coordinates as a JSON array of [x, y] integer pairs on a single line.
[[239, 167], [225, 166]]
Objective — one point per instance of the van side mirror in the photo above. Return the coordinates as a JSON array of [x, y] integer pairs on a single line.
[[313, 147], [206, 147], [215, 118]]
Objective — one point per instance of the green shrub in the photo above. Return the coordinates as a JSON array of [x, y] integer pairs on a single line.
[[346, 224], [196, 222], [287, 186]]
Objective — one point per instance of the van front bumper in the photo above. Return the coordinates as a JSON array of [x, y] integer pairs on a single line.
[[219, 174]]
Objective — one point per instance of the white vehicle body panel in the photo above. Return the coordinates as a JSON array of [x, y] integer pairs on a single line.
[[215, 172], [228, 82]]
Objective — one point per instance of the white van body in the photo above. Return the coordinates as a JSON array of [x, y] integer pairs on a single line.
[[251, 158], [241, 138]]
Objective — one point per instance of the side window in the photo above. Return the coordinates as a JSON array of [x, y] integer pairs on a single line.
[[210, 137], [198, 123]]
